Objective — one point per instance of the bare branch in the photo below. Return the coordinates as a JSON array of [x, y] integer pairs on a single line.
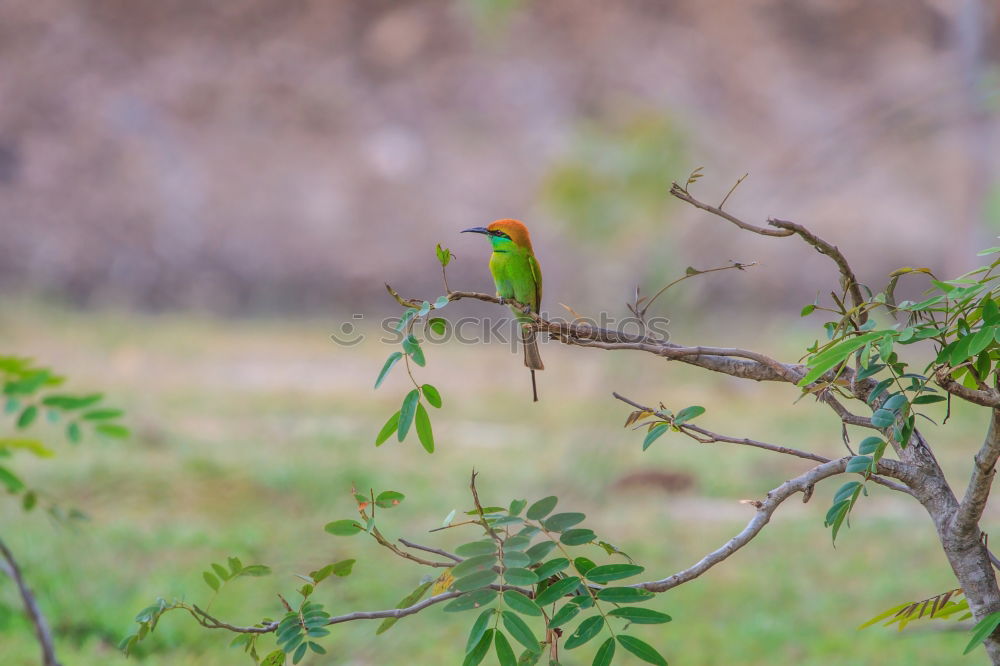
[[846, 273], [785, 228], [42, 632], [428, 549], [987, 397], [800, 484], [888, 467], [683, 195], [966, 518]]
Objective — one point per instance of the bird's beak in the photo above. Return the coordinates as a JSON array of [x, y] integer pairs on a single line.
[[476, 230]]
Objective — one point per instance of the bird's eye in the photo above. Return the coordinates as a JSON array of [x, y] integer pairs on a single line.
[[501, 234]]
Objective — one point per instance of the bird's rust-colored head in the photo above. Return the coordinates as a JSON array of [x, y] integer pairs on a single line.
[[507, 229]]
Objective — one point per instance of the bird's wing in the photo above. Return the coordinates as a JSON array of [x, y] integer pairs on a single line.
[[536, 273]]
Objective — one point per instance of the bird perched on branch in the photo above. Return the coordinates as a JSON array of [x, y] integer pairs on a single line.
[[518, 277]]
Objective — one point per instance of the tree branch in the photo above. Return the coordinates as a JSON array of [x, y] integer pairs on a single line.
[[890, 468], [800, 484], [970, 510], [44, 635], [785, 228], [428, 549], [987, 397], [682, 194]]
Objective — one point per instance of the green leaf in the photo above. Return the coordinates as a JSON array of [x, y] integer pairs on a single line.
[[654, 433], [471, 600], [387, 430], [883, 418], [276, 658], [221, 571], [551, 567], [928, 399], [432, 395], [504, 652], [585, 631], [73, 433], [112, 430], [556, 590], [637, 615], [605, 653], [521, 632], [982, 630], [624, 595], [391, 361], [540, 551], [412, 347], [577, 537], [11, 481], [300, 652], [894, 402], [478, 630], [474, 656], [473, 548], [211, 580], [583, 565], [425, 307], [561, 521], [517, 506], [342, 568], [476, 581], [406, 413], [870, 445], [424, 431], [542, 507], [345, 527], [474, 565], [688, 413], [858, 464], [609, 572], [520, 577], [641, 649], [407, 601], [845, 491], [807, 310], [515, 559], [388, 499], [405, 319], [564, 615], [27, 416], [444, 255], [438, 325], [521, 603], [517, 542], [440, 302], [827, 359]]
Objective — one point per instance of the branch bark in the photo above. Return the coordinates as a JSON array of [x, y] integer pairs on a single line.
[[42, 632]]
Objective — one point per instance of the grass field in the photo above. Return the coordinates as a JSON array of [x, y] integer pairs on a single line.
[[249, 435]]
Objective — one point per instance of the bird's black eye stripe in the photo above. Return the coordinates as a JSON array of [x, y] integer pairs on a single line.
[[500, 234]]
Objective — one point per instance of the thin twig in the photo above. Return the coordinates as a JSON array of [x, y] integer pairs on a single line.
[[42, 632], [428, 549], [708, 437], [682, 194], [765, 509]]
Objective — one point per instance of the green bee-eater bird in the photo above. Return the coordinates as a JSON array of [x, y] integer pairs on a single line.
[[517, 276]]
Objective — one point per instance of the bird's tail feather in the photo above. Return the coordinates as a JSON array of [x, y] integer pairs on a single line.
[[529, 339]]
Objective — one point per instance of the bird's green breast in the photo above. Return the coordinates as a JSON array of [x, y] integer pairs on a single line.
[[514, 275]]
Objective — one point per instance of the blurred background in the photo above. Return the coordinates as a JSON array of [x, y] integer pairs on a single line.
[[195, 195]]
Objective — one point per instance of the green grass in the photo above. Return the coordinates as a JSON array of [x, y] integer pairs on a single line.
[[249, 435]]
